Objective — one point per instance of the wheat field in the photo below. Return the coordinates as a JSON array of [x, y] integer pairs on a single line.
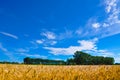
[[50, 72]]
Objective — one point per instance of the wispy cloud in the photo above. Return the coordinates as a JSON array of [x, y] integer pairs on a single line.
[[9, 35], [49, 38], [96, 25], [46, 42], [6, 52], [40, 41], [53, 37], [49, 35], [53, 42], [113, 10], [110, 4], [104, 53], [33, 55], [66, 34], [108, 26], [84, 45], [21, 50], [111, 23], [117, 59], [88, 46], [2, 48], [26, 52]]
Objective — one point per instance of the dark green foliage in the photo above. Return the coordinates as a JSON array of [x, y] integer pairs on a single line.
[[117, 63], [6, 62], [81, 58], [70, 61], [28, 60]]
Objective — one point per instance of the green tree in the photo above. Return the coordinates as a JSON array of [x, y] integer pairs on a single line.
[[109, 60], [82, 58], [27, 60], [70, 61]]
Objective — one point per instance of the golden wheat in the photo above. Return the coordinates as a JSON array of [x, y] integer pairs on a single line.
[[45, 72]]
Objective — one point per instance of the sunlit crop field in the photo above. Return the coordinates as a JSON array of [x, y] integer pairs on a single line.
[[50, 72]]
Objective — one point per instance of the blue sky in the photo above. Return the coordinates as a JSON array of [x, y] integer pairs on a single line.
[[55, 29]]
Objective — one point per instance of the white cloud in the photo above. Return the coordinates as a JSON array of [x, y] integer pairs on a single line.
[[88, 46], [21, 50], [84, 45], [79, 31], [53, 42], [117, 59], [46, 42], [26, 51], [10, 35], [6, 52], [107, 27], [104, 53], [33, 55], [96, 25], [49, 35], [65, 34], [40, 41], [2, 48], [114, 11], [110, 4], [111, 31], [111, 23]]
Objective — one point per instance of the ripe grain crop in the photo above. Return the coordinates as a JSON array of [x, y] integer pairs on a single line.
[[52, 72]]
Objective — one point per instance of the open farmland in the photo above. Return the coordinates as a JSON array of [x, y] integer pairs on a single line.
[[50, 72]]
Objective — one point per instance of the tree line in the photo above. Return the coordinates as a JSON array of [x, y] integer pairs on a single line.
[[79, 58], [28, 60], [6, 62], [82, 58]]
